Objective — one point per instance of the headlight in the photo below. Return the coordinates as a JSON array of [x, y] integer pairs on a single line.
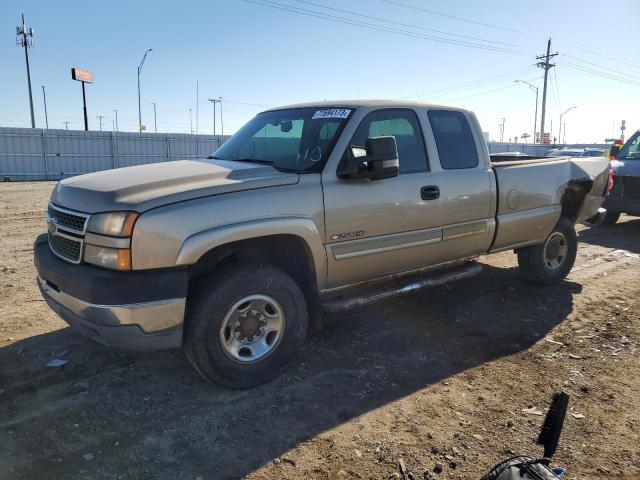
[[114, 258], [114, 224]]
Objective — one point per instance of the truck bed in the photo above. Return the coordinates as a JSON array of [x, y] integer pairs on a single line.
[[530, 193]]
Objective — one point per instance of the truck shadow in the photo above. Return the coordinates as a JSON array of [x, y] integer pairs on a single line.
[[150, 415], [624, 235]]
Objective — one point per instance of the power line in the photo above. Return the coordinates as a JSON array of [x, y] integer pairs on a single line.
[[600, 74], [497, 78], [609, 58], [554, 91], [350, 12], [370, 26], [608, 69], [455, 99], [433, 12], [555, 82]]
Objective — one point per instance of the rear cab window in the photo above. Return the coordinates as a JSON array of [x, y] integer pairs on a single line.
[[401, 123], [454, 139]]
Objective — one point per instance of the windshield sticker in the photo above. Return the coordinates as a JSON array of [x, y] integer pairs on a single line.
[[331, 113]]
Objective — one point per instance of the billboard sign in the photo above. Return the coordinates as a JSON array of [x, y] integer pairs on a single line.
[[82, 75]]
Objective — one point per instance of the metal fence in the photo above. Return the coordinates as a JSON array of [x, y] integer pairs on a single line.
[[39, 154], [538, 150]]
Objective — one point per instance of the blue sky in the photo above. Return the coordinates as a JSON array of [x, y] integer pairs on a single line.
[[254, 56]]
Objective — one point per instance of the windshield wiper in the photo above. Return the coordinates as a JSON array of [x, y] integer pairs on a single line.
[[251, 160]]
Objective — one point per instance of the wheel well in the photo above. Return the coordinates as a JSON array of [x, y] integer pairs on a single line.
[[573, 198], [289, 253]]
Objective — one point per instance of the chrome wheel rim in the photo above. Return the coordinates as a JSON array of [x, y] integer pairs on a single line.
[[252, 328], [555, 250]]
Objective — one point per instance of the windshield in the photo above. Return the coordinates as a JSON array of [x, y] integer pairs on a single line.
[[298, 139], [631, 149]]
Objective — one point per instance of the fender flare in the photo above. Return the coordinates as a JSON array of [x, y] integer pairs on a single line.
[[199, 243]]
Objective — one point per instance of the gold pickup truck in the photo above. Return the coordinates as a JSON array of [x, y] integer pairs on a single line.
[[233, 257]]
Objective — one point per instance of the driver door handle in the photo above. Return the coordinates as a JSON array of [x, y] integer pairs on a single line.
[[430, 192]]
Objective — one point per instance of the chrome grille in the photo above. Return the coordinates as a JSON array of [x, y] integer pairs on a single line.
[[66, 247], [66, 232], [73, 221]]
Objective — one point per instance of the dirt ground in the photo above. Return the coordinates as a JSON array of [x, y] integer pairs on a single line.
[[437, 377]]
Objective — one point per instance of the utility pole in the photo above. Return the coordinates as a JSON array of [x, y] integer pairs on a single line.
[[221, 122], [139, 105], [116, 112], [155, 123], [546, 66], [46, 117], [66, 125], [25, 39], [502, 130], [197, 107], [214, 101], [100, 117]]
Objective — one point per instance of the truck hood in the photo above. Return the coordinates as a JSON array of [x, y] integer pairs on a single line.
[[144, 187]]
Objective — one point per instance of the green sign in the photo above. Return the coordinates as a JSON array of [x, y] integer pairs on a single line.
[[609, 140]]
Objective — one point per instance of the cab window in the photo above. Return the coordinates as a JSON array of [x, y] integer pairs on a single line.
[[454, 139], [401, 123]]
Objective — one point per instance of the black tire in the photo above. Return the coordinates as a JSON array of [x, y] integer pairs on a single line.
[[534, 261], [209, 304], [611, 218]]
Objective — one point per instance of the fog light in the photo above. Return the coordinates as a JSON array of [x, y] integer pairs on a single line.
[[114, 258]]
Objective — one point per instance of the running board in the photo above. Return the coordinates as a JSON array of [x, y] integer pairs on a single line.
[[366, 294]]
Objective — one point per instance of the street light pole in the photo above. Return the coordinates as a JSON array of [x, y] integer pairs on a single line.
[[155, 122], [46, 116], [139, 104], [190, 123], [535, 116], [116, 112], [100, 117], [560, 127]]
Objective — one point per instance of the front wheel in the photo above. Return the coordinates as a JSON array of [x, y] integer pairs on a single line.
[[550, 262], [245, 323]]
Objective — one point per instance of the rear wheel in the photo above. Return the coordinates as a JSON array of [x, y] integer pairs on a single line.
[[550, 262], [611, 218], [245, 324]]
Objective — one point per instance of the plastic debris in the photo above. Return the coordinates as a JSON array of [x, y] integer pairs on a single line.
[[533, 411], [57, 362]]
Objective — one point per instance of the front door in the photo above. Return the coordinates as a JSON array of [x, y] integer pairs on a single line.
[[378, 228]]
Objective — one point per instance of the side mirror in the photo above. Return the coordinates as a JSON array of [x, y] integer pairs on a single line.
[[379, 161]]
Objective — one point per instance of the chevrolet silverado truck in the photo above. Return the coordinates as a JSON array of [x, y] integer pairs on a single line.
[[234, 257]]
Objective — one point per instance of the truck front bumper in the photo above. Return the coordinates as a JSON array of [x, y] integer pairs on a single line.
[[137, 310]]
